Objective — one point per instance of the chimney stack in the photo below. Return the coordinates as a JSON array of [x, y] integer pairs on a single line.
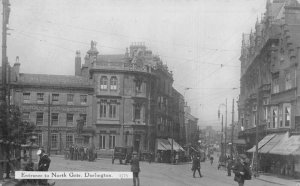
[[16, 67], [78, 64]]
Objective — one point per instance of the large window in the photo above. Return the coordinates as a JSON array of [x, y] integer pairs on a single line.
[[70, 119], [274, 117], [69, 140], [275, 85], [26, 115], [55, 98], [83, 99], [112, 110], [26, 97], [39, 118], [40, 97], [103, 83], [83, 116], [54, 141], [287, 115], [138, 86], [40, 139], [113, 83], [70, 98], [54, 119], [288, 81], [280, 116], [112, 141], [102, 141], [103, 106], [137, 112]]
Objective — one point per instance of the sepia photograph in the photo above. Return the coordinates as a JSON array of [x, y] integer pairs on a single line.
[[161, 92]]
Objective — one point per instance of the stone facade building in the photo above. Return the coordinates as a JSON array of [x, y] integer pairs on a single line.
[[191, 126], [58, 99], [125, 100], [269, 95]]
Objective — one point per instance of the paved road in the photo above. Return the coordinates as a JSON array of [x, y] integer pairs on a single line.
[[157, 174]]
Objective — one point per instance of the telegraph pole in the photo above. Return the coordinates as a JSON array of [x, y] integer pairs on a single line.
[[3, 131], [225, 127], [6, 11], [222, 149], [232, 127]]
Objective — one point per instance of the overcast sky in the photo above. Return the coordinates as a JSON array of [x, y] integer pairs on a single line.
[[199, 40]]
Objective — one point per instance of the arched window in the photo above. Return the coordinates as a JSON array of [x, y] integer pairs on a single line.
[[113, 83], [103, 83]]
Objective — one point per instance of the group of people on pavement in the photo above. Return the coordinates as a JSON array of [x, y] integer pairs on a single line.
[[81, 153], [240, 166]]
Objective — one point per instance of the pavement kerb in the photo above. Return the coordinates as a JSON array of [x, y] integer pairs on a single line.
[[276, 180]]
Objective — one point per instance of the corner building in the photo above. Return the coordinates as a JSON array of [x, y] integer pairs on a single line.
[[132, 99], [269, 95]]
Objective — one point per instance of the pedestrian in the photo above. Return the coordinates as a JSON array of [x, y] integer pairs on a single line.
[[211, 160], [176, 158], [71, 152], [241, 170], [229, 166], [196, 166], [43, 165], [135, 169]]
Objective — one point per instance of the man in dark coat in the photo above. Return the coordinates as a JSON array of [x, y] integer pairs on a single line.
[[43, 165], [135, 169], [229, 166], [71, 152], [241, 169], [196, 166]]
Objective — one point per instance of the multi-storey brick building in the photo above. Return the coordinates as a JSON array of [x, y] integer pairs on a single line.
[[132, 100], [125, 100], [58, 99], [270, 76]]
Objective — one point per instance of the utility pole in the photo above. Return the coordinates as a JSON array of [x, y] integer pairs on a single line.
[[232, 128], [3, 132], [225, 127], [49, 132], [222, 139]]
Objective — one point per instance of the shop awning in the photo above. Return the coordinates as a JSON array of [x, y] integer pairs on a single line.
[[262, 142], [287, 147], [273, 142], [176, 146], [163, 144], [239, 141]]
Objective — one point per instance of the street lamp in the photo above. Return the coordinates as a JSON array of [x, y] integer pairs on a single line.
[[225, 105]]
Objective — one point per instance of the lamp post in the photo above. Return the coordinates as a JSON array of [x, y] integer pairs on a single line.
[[32, 140], [225, 105]]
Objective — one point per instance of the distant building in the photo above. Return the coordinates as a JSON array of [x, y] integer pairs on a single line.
[[191, 127]]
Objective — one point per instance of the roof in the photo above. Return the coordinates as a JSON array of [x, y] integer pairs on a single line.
[[111, 58], [45, 79]]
